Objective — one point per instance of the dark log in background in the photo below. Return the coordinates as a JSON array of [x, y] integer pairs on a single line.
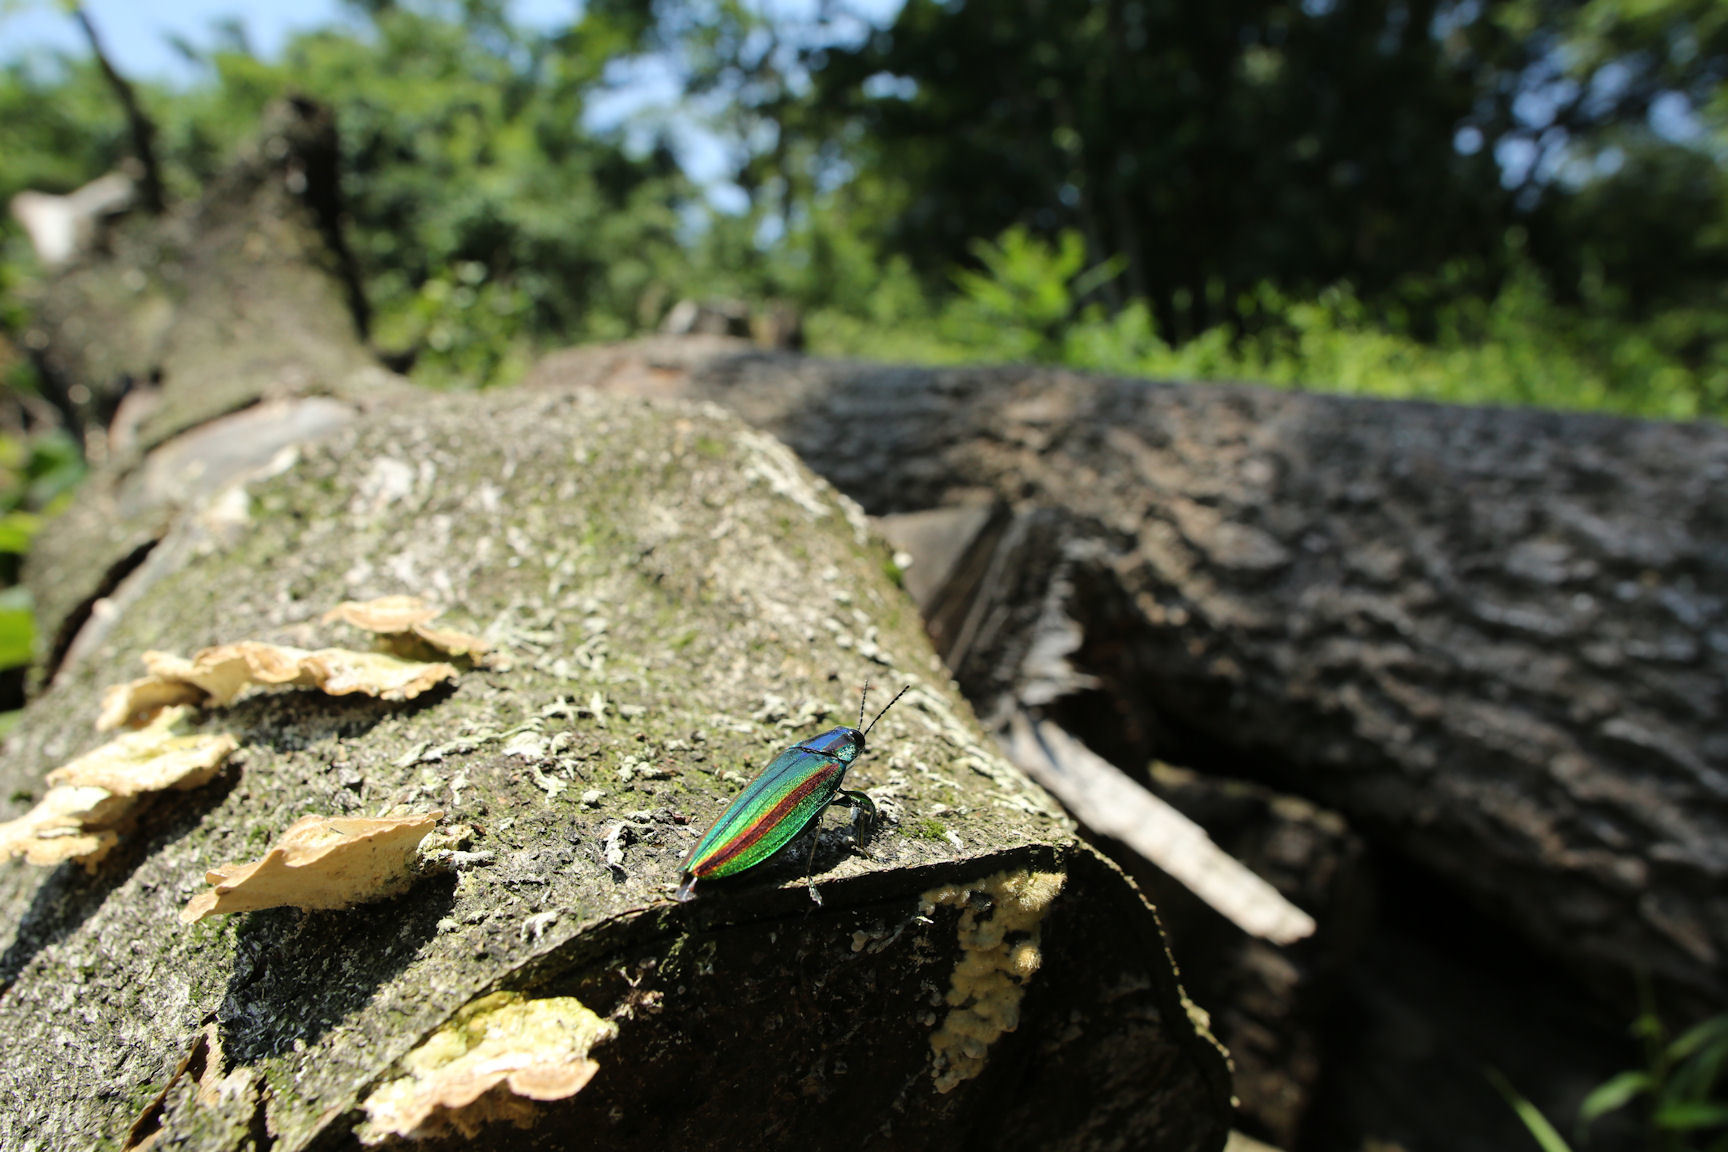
[[1494, 640], [1498, 636]]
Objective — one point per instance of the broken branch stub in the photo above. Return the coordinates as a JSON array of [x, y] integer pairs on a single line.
[[1110, 803]]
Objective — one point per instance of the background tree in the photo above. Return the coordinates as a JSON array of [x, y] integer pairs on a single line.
[[1357, 194], [1214, 146]]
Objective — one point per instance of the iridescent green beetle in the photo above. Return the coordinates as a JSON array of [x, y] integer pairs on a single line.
[[782, 801]]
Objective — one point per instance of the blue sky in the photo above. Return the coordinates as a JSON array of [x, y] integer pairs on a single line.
[[135, 32]]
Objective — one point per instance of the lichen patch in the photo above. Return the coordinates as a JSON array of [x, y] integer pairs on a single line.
[[320, 862], [91, 799], [493, 1062], [218, 675], [999, 936], [402, 621]]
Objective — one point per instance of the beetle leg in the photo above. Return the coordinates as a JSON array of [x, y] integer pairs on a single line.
[[810, 865], [864, 820], [864, 815]]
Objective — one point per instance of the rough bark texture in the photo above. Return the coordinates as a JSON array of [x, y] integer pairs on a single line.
[[673, 599], [1494, 638]]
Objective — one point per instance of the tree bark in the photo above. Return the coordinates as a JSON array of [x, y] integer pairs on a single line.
[[1495, 639], [673, 599]]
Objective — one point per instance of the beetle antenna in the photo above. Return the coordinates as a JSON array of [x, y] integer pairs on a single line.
[[863, 696], [885, 708]]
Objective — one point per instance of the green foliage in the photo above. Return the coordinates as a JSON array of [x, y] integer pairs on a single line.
[[1325, 173], [59, 126], [1546, 1136], [470, 328], [17, 529], [17, 628], [1255, 189], [37, 474], [1239, 141], [1516, 347], [1027, 287], [1681, 1086]]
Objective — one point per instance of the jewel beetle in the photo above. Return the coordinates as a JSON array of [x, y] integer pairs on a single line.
[[782, 801]]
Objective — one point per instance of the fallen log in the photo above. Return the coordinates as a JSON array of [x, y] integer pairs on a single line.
[[1494, 639]]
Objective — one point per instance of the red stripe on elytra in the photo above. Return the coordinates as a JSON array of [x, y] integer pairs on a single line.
[[751, 835]]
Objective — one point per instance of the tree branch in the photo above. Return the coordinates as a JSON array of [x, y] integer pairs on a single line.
[[143, 128]]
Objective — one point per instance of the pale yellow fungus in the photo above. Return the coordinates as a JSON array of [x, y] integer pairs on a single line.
[[139, 702], [497, 1058], [320, 862], [218, 675], [999, 937], [401, 619], [387, 614], [90, 799]]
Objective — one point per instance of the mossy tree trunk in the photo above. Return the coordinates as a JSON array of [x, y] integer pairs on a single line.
[[672, 599]]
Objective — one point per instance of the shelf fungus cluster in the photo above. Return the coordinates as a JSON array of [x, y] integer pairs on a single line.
[[91, 800], [318, 862], [217, 676]]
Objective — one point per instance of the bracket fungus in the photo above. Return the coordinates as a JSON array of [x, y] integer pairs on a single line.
[[90, 799], [320, 862], [401, 621], [493, 1061], [218, 675]]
